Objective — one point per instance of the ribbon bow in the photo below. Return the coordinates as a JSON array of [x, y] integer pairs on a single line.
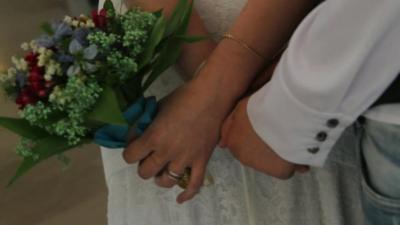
[[139, 116]]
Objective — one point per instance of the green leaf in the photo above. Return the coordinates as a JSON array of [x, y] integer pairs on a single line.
[[158, 13], [132, 88], [107, 109], [46, 27], [23, 128], [168, 57], [109, 6], [184, 23], [155, 38], [45, 149], [177, 17], [178, 26], [192, 39]]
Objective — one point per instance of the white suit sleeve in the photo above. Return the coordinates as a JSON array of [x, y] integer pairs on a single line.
[[339, 61]]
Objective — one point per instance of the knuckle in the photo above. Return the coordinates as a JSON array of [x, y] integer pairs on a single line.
[[126, 155], [165, 184], [154, 137], [158, 158], [142, 174]]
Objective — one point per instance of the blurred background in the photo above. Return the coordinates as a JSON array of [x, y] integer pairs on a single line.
[[48, 195]]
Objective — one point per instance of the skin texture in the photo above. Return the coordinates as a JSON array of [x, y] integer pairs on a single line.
[[239, 137], [188, 125]]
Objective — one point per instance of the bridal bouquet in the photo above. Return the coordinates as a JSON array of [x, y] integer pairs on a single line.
[[84, 80]]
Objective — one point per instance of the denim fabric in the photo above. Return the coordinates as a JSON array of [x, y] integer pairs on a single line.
[[380, 152]]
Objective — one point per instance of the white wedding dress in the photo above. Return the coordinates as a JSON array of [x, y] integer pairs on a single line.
[[239, 196]]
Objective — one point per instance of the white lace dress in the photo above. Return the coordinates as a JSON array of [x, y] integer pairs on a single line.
[[240, 196]]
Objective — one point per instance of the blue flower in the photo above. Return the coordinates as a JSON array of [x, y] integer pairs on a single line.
[[64, 58], [45, 41], [75, 47], [61, 30], [80, 35], [21, 79], [90, 52], [73, 70]]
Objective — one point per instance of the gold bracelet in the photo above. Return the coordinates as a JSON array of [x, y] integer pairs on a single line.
[[199, 68], [243, 44]]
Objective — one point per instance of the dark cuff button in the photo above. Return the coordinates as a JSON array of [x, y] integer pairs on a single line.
[[313, 150], [321, 136], [332, 123]]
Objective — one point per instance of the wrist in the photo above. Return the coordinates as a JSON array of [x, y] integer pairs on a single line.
[[229, 71]]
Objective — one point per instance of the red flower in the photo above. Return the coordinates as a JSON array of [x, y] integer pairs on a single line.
[[31, 58], [37, 86], [42, 93], [100, 18], [35, 75], [36, 89], [26, 97]]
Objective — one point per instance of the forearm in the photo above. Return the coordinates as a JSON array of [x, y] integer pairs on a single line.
[[192, 54], [265, 25]]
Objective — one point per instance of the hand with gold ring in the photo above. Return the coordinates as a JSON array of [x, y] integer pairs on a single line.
[[182, 180], [183, 135]]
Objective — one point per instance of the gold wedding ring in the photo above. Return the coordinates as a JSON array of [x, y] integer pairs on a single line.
[[184, 179], [183, 182], [174, 176]]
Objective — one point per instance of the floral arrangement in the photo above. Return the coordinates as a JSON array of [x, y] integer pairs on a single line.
[[85, 79]]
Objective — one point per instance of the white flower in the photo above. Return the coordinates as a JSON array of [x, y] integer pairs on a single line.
[[75, 23], [90, 24], [25, 46], [19, 63], [42, 50], [12, 72], [3, 77], [68, 19], [83, 17], [33, 45], [44, 56], [10, 75], [52, 68]]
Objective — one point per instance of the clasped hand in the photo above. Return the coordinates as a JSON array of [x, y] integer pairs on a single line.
[[185, 133]]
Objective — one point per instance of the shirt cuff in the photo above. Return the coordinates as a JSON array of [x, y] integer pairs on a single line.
[[297, 133]]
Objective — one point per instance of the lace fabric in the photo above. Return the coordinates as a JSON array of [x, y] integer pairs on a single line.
[[240, 196]]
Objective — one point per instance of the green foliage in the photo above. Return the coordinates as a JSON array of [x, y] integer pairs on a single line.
[[178, 17], [103, 40], [192, 39], [24, 149], [172, 46], [23, 128], [46, 27], [74, 100], [109, 6], [132, 51], [43, 149], [122, 48], [107, 110], [121, 67], [154, 40]]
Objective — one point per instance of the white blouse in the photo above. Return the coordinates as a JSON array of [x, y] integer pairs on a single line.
[[340, 60]]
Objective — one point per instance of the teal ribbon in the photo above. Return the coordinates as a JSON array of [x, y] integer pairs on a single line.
[[139, 116]]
